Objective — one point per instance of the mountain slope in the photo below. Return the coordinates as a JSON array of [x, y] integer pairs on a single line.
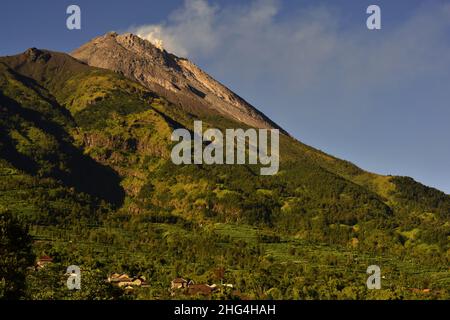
[[114, 118], [44, 176], [85, 146], [177, 79], [126, 127], [185, 85]]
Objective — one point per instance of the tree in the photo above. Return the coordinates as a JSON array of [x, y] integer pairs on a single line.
[[15, 256]]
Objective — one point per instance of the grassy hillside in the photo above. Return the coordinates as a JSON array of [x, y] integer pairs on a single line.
[[84, 159]]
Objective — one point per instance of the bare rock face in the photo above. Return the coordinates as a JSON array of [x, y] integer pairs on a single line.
[[177, 79]]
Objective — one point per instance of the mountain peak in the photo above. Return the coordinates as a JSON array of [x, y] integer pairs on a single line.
[[179, 80], [35, 54], [141, 41], [112, 34]]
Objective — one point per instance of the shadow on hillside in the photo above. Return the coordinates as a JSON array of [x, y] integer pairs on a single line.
[[69, 164]]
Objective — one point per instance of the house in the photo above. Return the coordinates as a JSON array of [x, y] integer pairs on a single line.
[[113, 278], [144, 283], [43, 261], [127, 282], [200, 289], [179, 283], [119, 278], [191, 288], [415, 290]]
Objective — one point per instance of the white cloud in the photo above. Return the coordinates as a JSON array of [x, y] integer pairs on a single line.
[[305, 50], [188, 28], [323, 78]]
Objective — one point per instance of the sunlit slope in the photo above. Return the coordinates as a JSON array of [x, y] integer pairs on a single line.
[[107, 137]]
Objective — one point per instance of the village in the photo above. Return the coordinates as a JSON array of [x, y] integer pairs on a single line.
[[178, 286]]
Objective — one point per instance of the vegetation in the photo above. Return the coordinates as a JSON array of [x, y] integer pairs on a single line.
[[15, 256], [84, 163]]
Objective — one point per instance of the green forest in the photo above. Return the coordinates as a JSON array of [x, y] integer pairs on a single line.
[[86, 179]]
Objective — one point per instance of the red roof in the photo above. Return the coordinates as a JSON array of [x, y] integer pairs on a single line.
[[45, 258], [199, 289]]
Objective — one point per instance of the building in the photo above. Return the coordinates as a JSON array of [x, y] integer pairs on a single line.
[[199, 289], [127, 282], [179, 283], [191, 288], [43, 261]]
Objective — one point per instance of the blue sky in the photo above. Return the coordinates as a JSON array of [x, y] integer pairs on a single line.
[[377, 98]]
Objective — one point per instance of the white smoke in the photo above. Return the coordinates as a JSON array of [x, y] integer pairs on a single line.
[[152, 33], [191, 26], [304, 65], [156, 35]]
